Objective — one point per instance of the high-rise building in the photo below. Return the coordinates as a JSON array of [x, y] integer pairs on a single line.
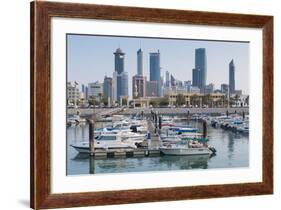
[[231, 77], [124, 84], [224, 88], [107, 87], [140, 62], [194, 89], [139, 81], [201, 66], [114, 86], [84, 90], [167, 79], [196, 77], [120, 77], [119, 61], [121, 85], [238, 92], [139, 86], [173, 81], [187, 85], [151, 88], [179, 84], [86, 93], [209, 88], [154, 61]]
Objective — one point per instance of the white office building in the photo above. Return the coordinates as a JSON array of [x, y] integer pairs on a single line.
[[73, 93], [95, 90]]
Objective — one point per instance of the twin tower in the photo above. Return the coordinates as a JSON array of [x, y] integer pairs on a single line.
[[141, 87]]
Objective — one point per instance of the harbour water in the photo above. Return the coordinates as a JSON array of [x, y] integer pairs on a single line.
[[232, 152]]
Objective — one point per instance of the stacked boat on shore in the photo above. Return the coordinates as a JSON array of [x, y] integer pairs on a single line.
[[234, 123]]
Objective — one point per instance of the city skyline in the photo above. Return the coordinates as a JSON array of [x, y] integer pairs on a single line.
[[95, 62]]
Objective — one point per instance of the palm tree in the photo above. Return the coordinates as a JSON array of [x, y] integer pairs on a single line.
[[180, 100], [207, 100], [194, 99], [236, 98]]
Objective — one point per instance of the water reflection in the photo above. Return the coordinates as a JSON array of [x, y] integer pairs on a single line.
[[137, 164], [186, 162]]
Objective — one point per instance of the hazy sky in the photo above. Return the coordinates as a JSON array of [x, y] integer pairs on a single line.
[[91, 57]]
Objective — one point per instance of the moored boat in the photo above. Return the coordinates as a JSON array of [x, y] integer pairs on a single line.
[[190, 148], [105, 142]]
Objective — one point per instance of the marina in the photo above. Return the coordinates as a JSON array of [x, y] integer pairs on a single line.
[[141, 138]]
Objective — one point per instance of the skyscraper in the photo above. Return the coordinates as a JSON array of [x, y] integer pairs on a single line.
[[167, 81], [187, 85], [120, 78], [196, 77], [107, 87], [231, 77], [151, 88], [173, 81], [139, 81], [140, 61], [120, 87], [224, 88], [139, 86], [119, 60], [201, 66], [124, 84], [209, 88], [154, 62]]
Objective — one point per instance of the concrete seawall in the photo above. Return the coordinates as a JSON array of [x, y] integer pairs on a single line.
[[191, 110], [129, 111]]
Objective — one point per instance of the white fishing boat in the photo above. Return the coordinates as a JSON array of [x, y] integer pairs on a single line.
[[110, 130], [188, 148], [244, 128], [131, 136], [126, 135], [167, 121], [75, 119], [105, 141], [173, 138], [123, 124]]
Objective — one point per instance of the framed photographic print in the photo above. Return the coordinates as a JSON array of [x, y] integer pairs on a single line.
[[134, 105]]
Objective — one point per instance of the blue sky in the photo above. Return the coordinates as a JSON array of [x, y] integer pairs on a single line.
[[91, 57]]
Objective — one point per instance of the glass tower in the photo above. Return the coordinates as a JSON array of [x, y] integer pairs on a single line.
[[140, 62], [120, 76], [119, 61], [201, 66], [154, 63], [231, 77]]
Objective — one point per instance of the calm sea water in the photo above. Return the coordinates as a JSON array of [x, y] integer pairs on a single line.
[[232, 151]]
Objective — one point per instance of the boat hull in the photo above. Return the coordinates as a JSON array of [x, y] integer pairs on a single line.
[[186, 151], [81, 149]]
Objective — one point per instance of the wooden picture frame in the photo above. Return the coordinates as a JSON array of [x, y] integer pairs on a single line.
[[41, 14]]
